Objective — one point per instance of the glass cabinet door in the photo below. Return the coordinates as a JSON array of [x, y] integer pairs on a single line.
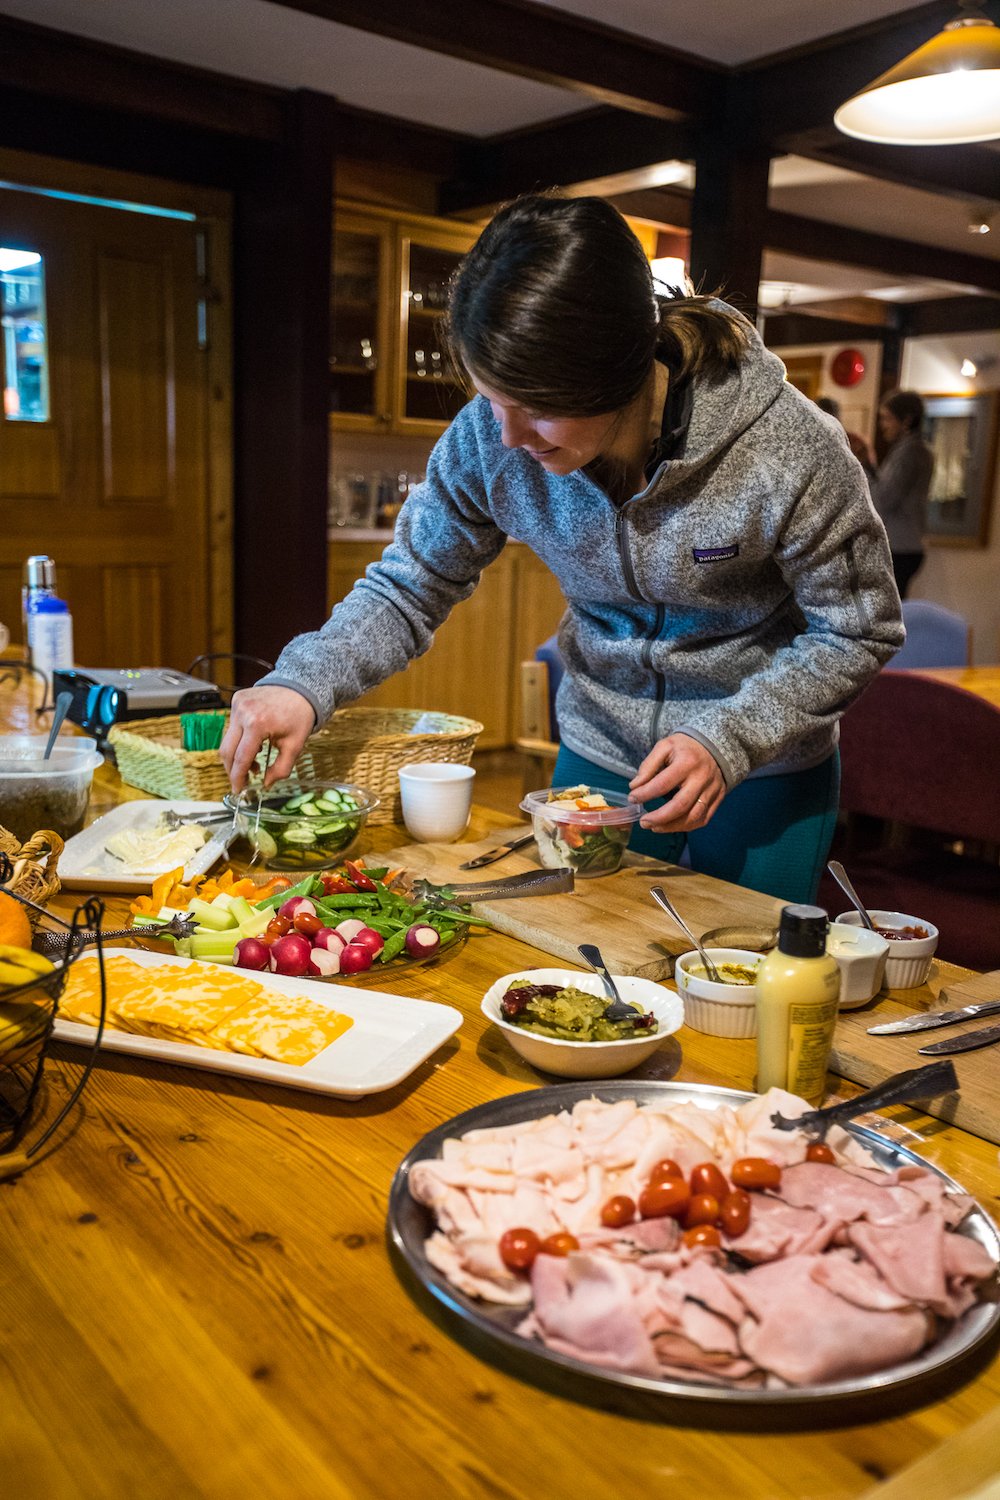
[[359, 352], [430, 389]]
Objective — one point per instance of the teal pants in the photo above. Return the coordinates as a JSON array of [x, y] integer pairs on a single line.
[[772, 834]]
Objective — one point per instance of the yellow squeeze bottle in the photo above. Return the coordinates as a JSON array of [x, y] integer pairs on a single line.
[[798, 992]]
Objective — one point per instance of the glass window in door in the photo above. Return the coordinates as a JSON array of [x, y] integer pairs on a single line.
[[23, 324], [434, 390], [355, 353]]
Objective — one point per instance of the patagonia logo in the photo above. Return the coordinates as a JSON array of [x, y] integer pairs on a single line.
[[715, 554]]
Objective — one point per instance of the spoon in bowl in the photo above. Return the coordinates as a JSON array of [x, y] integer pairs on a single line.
[[63, 704], [840, 876], [619, 1009], [661, 898]]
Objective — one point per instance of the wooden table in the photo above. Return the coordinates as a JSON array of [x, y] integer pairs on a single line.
[[196, 1300], [983, 681]]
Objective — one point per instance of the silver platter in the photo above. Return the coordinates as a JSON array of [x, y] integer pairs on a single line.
[[410, 1224]]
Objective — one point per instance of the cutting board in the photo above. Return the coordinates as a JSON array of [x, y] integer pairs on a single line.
[[868, 1059], [613, 911]]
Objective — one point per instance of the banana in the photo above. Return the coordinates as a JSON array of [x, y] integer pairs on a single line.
[[11, 974], [26, 958]]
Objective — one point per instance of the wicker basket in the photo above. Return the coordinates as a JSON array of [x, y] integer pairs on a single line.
[[149, 755], [368, 745], [35, 867]]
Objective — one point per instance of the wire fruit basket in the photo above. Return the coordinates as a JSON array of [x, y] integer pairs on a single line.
[[27, 1015]]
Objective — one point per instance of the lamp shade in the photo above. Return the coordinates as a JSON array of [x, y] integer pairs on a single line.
[[946, 93]]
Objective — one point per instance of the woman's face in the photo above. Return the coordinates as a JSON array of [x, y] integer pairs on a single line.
[[888, 425], [559, 444]]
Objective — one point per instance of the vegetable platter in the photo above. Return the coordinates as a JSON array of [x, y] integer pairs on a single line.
[[333, 924]]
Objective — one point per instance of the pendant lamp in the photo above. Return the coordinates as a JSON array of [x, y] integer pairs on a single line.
[[946, 93]]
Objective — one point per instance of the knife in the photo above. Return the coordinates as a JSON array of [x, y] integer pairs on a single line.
[[925, 1020], [498, 853], [967, 1042]]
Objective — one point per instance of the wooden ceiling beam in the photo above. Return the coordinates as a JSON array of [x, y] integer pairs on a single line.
[[784, 326], [817, 240], [542, 43], [950, 315], [601, 143], [971, 172]]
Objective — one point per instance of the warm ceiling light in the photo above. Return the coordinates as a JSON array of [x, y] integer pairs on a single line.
[[968, 369], [17, 260], [671, 270], [945, 93]]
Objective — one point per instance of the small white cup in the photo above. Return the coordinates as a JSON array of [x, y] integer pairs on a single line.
[[437, 799]]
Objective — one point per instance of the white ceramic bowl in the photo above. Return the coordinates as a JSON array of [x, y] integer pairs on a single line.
[[861, 957], [909, 959], [718, 1009], [587, 1059]]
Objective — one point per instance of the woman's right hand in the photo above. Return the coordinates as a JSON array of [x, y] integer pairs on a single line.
[[278, 714]]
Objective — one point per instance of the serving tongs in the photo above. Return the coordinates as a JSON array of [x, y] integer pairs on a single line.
[[902, 1088], [56, 945], [531, 883]]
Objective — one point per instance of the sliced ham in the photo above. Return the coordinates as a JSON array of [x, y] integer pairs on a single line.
[[585, 1307], [805, 1334], [857, 1281], [910, 1257], [843, 1197], [776, 1228], [469, 1266]]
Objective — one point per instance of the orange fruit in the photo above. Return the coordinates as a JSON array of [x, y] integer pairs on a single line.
[[15, 928]]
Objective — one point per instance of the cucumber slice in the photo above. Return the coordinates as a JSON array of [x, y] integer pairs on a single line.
[[299, 835], [310, 810], [337, 825]]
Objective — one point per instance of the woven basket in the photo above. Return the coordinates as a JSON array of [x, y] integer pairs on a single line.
[[149, 755], [35, 866], [368, 745]]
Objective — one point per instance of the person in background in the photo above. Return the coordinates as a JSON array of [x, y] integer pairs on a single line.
[[859, 446], [728, 582], [901, 483]]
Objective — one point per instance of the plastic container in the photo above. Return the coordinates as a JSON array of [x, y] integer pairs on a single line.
[[718, 1009], [591, 841], [798, 996], [50, 636], [861, 958], [289, 836], [587, 1059], [908, 961], [37, 793]]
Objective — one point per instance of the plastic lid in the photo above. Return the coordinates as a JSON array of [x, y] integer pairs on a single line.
[[619, 810], [48, 604], [802, 932]]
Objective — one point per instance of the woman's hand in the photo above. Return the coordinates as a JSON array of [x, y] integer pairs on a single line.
[[277, 714], [681, 765]]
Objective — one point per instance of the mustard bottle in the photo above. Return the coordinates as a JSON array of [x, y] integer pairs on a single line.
[[798, 991]]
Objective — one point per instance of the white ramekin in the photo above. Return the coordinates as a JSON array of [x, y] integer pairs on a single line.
[[718, 1009], [909, 960], [861, 958]]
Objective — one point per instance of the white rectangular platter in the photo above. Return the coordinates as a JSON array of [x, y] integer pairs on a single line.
[[391, 1036], [86, 865]]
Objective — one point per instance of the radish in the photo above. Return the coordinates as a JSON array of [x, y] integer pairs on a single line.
[[330, 939], [295, 904], [322, 961], [370, 939], [355, 959], [422, 941], [291, 954], [348, 928], [251, 953]]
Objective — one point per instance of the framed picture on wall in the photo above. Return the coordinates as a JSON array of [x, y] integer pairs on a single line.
[[962, 432]]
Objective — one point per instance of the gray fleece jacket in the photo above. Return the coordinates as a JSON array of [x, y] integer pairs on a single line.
[[743, 597]]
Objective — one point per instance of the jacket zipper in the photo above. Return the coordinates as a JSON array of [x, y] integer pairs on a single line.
[[658, 622]]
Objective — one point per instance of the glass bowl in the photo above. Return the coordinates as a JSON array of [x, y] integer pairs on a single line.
[[590, 840], [303, 825]]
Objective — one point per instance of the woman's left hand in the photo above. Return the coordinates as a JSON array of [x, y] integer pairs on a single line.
[[681, 765]]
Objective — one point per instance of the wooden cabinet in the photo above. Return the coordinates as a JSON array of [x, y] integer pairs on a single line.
[[389, 371], [472, 667]]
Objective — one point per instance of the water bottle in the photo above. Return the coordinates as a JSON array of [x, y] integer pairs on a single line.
[[50, 636], [38, 582]]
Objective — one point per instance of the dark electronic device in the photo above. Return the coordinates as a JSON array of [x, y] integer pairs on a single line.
[[102, 696]]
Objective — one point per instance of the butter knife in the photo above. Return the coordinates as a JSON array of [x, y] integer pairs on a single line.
[[498, 853], [926, 1020], [967, 1042]]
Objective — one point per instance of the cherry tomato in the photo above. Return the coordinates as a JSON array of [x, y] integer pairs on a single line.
[[755, 1172], [617, 1212], [703, 1209], [518, 1248], [820, 1151], [664, 1199], [665, 1168], [706, 1178], [703, 1234], [307, 922], [335, 885], [559, 1244], [358, 878], [277, 927], [734, 1213]]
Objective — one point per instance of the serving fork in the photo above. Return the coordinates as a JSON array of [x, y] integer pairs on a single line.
[[58, 944]]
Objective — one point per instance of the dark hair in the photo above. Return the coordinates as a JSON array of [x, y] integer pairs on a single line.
[[907, 407], [829, 405], [554, 305]]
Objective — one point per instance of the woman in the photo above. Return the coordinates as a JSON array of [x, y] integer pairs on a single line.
[[902, 482], [728, 581]]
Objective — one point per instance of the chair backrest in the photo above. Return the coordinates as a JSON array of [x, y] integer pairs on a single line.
[[935, 637], [925, 753], [549, 653]]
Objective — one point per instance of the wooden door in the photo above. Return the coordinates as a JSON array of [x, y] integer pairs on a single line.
[[115, 484]]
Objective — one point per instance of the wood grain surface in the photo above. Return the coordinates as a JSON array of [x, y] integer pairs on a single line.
[[196, 1300]]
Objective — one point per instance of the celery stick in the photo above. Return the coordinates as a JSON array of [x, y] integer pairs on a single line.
[[211, 916]]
